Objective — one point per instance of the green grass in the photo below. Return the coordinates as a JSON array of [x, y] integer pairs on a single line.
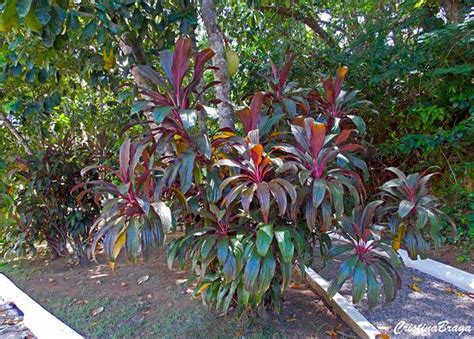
[[124, 316], [198, 321], [118, 320]]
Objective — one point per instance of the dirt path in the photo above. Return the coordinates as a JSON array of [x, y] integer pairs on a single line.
[[421, 300], [160, 306]]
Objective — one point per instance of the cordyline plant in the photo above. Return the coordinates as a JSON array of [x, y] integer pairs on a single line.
[[132, 217], [366, 260], [411, 208], [284, 96], [254, 202], [321, 182], [335, 104]]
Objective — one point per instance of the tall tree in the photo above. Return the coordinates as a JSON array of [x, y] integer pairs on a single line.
[[216, 42]]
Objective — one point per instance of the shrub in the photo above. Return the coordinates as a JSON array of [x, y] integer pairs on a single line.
[[411, 208], [255, 202], [39, 205]]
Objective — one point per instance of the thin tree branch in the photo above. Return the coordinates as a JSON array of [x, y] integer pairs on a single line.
[[21, 140], [307, 20]]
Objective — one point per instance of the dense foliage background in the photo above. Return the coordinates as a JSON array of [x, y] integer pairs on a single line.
[[69, 70]]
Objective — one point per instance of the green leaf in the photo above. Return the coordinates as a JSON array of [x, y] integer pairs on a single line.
[[160, 113], [124, 95], [73, 20], [290, 106], [337, 199], [42, 75], [207, 246], [303, 176], [359, 281], [242, 298], [286, 268], [228, 298], [172, 251], [267, 272], [276, 296], [203, 145], [345, 270], [319, 191], [405, 208], [23, 7], [388, 279], [359, 123], [285, 245], [251, 271], [230, 267], [164, 212], [42, 13], [338, 250], [264, 239], [222, 250], [394, 256], [132, 244], [189, 117], [186, 170], [213, 191], [373, 288], [422, 218], [138, 106]]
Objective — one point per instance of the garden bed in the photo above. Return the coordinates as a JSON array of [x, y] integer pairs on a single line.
[[422, 299], [449, 255], [161, 306]]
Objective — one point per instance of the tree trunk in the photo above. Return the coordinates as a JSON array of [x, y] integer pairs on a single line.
[[130, 46], [216, 42], [453, 10], [21, 140]]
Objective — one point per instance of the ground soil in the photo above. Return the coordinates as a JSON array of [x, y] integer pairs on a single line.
[[448, 254], [159, 307]]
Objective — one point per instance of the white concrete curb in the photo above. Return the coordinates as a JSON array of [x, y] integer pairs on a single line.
[[459, 278], [359, 324], [43, 324]]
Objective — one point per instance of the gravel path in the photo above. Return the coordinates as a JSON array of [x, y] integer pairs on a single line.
[[11, 322], [434, 302]]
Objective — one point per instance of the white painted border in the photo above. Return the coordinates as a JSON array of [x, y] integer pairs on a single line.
[[39, 321], [359, 324], [459, 278]]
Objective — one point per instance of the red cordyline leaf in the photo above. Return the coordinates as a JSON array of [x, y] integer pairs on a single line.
[[201, 58], [341, 74], [343, 136], [256, 153], [280, 76], [285, 72], [251, 116], [332, 89], [351, 147], [317, 135], [181, 55], [125, 161]]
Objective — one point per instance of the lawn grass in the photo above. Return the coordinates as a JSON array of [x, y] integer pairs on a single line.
[[158, 308]]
